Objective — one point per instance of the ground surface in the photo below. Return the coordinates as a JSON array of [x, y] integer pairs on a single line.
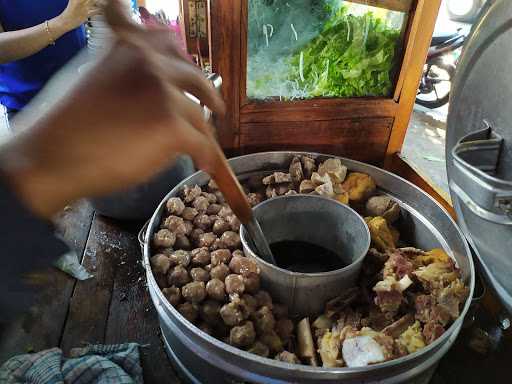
[[424, 147]]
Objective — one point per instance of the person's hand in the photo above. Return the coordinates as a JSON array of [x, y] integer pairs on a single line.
[[119, 126], [77, 12]]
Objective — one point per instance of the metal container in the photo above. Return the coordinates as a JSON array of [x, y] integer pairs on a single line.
[[138, 203], [315, 220], [479, 146], [204, 359]]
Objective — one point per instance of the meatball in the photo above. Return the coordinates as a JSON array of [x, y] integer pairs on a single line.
[[263, 320], [216, 290], [212, 199], [189, 213], [203, 222], [195, 234], [160, 263], [195, 292], [182, 242], [284, 329], [272, 341], [288, 357], [234, 284], [225, 211], [231, 314], [220, 272], [209, 311], [188, 311], [220, 226], [258, 348], [189, 227], [212, 186], [238, 252], [234, 223], [280, 311], [200, 256], [161, 280], [201, 203], [199, 274], [175, 206], [264, 299], [252, 283], [242, 335], [206, 239], [167, 251], [220, 197], [243, 266], [231, 239], [175, 224], [173, 295], [190, 193], [180, 257], [164, 239], [220, 256], [213, 209], [178, 276], [248, 304], [217, 244]]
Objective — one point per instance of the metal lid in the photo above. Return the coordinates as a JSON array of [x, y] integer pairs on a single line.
[[479, 145]]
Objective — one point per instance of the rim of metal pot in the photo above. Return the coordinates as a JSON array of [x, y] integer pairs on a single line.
[[316, 274], [296, 367]]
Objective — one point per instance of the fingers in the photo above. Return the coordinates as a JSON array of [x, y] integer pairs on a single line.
[[187, 77], [189, 111], [96, 7], [200, 147], [118, 17]]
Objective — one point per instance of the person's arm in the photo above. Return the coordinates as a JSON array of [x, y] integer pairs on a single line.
[[120, 125], [15, 45]]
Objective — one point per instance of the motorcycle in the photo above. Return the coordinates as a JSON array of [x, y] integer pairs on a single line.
[[439, 69]]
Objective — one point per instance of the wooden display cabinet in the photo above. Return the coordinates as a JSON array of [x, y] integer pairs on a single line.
[[369, 129]]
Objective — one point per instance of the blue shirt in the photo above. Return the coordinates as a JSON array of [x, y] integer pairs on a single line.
[[21, 80]]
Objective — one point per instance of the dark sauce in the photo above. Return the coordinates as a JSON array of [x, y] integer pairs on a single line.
[[299, 256]]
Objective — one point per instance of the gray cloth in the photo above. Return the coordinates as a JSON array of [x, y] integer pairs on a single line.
[[94, 364]]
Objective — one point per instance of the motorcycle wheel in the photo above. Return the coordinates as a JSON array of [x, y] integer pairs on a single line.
[[437, 101]]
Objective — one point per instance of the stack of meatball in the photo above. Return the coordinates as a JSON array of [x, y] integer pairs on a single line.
[[199, 265]]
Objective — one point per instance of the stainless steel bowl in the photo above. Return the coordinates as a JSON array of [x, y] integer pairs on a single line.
[[315, 220], [204, 359]]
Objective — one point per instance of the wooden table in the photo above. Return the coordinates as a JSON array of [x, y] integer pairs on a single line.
[[115, 307]]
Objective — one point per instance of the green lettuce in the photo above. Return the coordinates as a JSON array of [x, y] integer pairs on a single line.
[[353, 56]]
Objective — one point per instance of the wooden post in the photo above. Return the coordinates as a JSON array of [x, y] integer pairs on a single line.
[[420, 37]]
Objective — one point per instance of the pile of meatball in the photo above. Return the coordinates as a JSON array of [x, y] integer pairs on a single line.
[[199, 265], [406, 298]]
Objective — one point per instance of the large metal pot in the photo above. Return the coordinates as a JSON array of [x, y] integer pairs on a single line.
[[204, 359]]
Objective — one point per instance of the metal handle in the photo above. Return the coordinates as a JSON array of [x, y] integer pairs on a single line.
[[216, 81], [476, 159]]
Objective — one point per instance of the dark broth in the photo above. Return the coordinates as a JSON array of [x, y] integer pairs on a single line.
[[299, 256]]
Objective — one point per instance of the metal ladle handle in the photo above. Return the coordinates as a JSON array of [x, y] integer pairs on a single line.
[[233, 192]]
